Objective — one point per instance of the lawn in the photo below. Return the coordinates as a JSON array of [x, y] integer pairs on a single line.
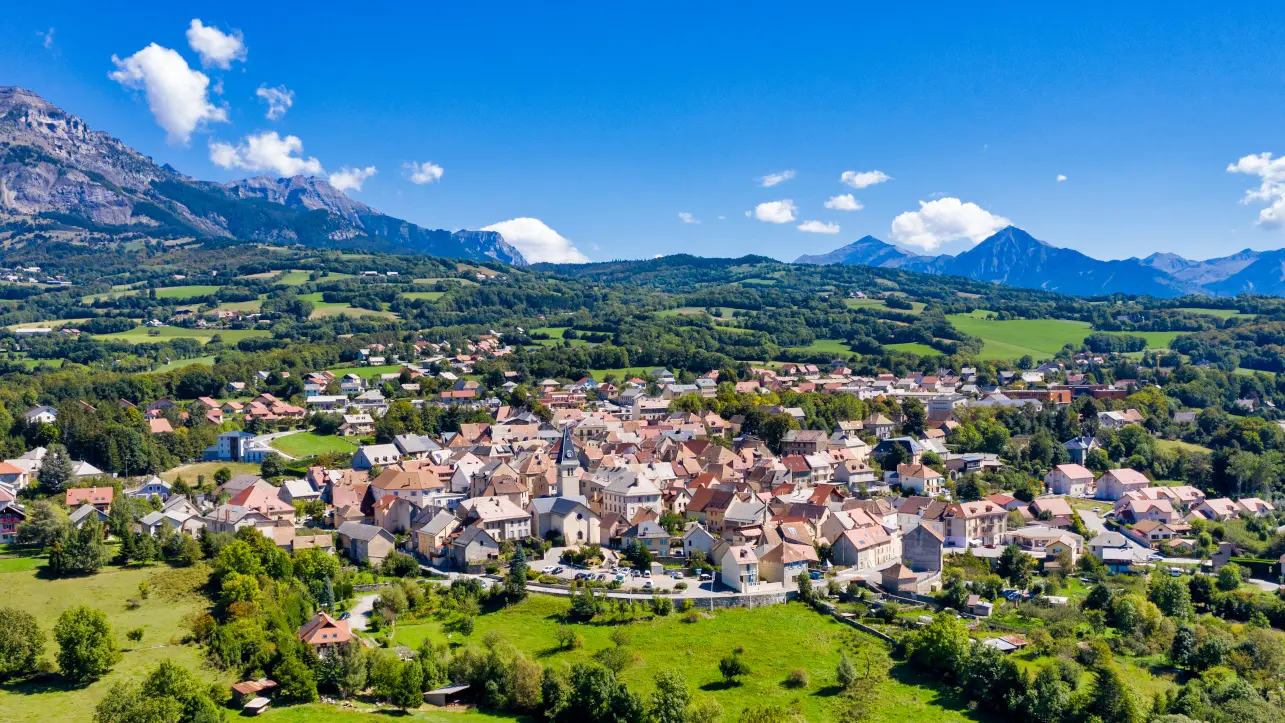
[[828, 346], [1179, 445], [311, 444], [144, 335], [367, 372], [912, 348], [190, 472], [775, 639], [186, 292], [621, 373], [555, 336], [180, 363], [173, 596], [1040, 338]]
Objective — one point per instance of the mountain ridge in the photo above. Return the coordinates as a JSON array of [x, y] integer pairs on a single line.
[[1013, 257], [58, 176]]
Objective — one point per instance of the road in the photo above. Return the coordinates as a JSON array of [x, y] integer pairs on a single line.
[[361, 610], [266, 441]]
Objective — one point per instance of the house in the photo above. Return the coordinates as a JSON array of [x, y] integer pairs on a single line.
[[804, 442], [863, 548], [41, 415], [323, 631], [298, 490], [974, 523], [153, 487], [1069, 479], [357, 425], [502, 519], [160, 425], [430, 536], [1050, 508], [569, 517], [13, 476], [412, 484], [87, 512], [100, 497], [1080, 447], [650, 535], [697, 538], [738, 566], [920, 479], [1156, 532], [234, 446], [1113, 549], [365, 542], [12, 514], [473, 549], [1117, 482], [785, 561], [921, 548], [375, 455], [1133, 511]]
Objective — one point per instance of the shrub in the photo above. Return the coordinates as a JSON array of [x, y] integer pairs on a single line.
[[798, 678], [733, 667], [135, 635], [680, 586], [691, 617]]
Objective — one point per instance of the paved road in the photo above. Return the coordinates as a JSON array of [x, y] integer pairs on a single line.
[[266, 439]]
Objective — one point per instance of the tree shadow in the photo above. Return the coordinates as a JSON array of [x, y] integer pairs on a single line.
[[717, 685], [41, 684], [828, 691]]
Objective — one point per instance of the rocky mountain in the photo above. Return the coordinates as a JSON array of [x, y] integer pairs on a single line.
[[1266, 275], [59, 178], [1015, 258], [865, 251], [1210, 271]]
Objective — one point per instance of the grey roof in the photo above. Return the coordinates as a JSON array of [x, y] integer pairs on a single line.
[[473, 534], [567, 456], [415, 444], [440, 522], [646, 528], [151, 518], [359, 531], [82, 512], [557, 505]]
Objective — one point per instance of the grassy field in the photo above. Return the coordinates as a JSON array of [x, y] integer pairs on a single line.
[[173, 597], [190, 472], [423, 295], [913, 348], [323, 713], [464, 282], [49, 324], [141, 335], [828, 346], [367, 372], [1040, 338], [179, 364], [186, 292], [621, 373], [555, 334], [775, 639], [881, 304], [311, 444], [1177, 445], [1220, 313]]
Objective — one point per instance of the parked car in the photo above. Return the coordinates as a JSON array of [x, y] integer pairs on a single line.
[[558, 570], [706, 577], [547, 569], [647, 585], [814, 574], [676, 574], [646, 573]]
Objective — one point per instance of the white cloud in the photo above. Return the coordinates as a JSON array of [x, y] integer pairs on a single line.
[[844, 202], [177, 95], [47, 39], [722, 218], [946, 219], [279, 100], [426, 172], [1270, 191], [216, 48], [538, 242], [776, 211], [819, 227], [1060, 178], [773, 179], [863, 179], [687, 217], [350, 179], [266, 151]]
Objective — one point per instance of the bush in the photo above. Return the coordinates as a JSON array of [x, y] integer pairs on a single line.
[[135, 635], [798, 678], [680, 586], [492, 569], [692, 617], [733, 668]]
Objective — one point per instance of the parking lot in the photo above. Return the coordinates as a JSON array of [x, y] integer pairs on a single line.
[[612, 569]]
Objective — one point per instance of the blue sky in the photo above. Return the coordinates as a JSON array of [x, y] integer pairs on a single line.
[[606, 122]]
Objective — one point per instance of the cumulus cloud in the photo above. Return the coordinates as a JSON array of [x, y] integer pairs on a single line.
[[279, 100], [1271, 189], [177, 95], [267, 151], [687, 217], [216, 48], [426, 172], [943, 220], [773, 179], [47, 39], [863, 179], [819, 227], [1060, 178], [537, 241], [844, 202], [776, 211], [350, 179]]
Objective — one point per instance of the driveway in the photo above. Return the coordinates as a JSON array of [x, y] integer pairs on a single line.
[[361, 610], [266, 441]]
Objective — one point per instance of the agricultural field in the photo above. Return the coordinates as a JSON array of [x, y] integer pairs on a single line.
[[180, 363], [143, 335], [881, 304], [367, 372], [174, 595], [1178, 445], [186, 292], [775, 638], [828, 346], [49, 324], [422, 295], [322, 309], [190, 472], [1220, 313], [555, 334], [311, 444], [912, 348], [726, 312], [621, 373], [427, 281], [1040, 338]]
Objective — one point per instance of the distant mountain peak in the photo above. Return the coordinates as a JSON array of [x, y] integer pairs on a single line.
[[865, 251]]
